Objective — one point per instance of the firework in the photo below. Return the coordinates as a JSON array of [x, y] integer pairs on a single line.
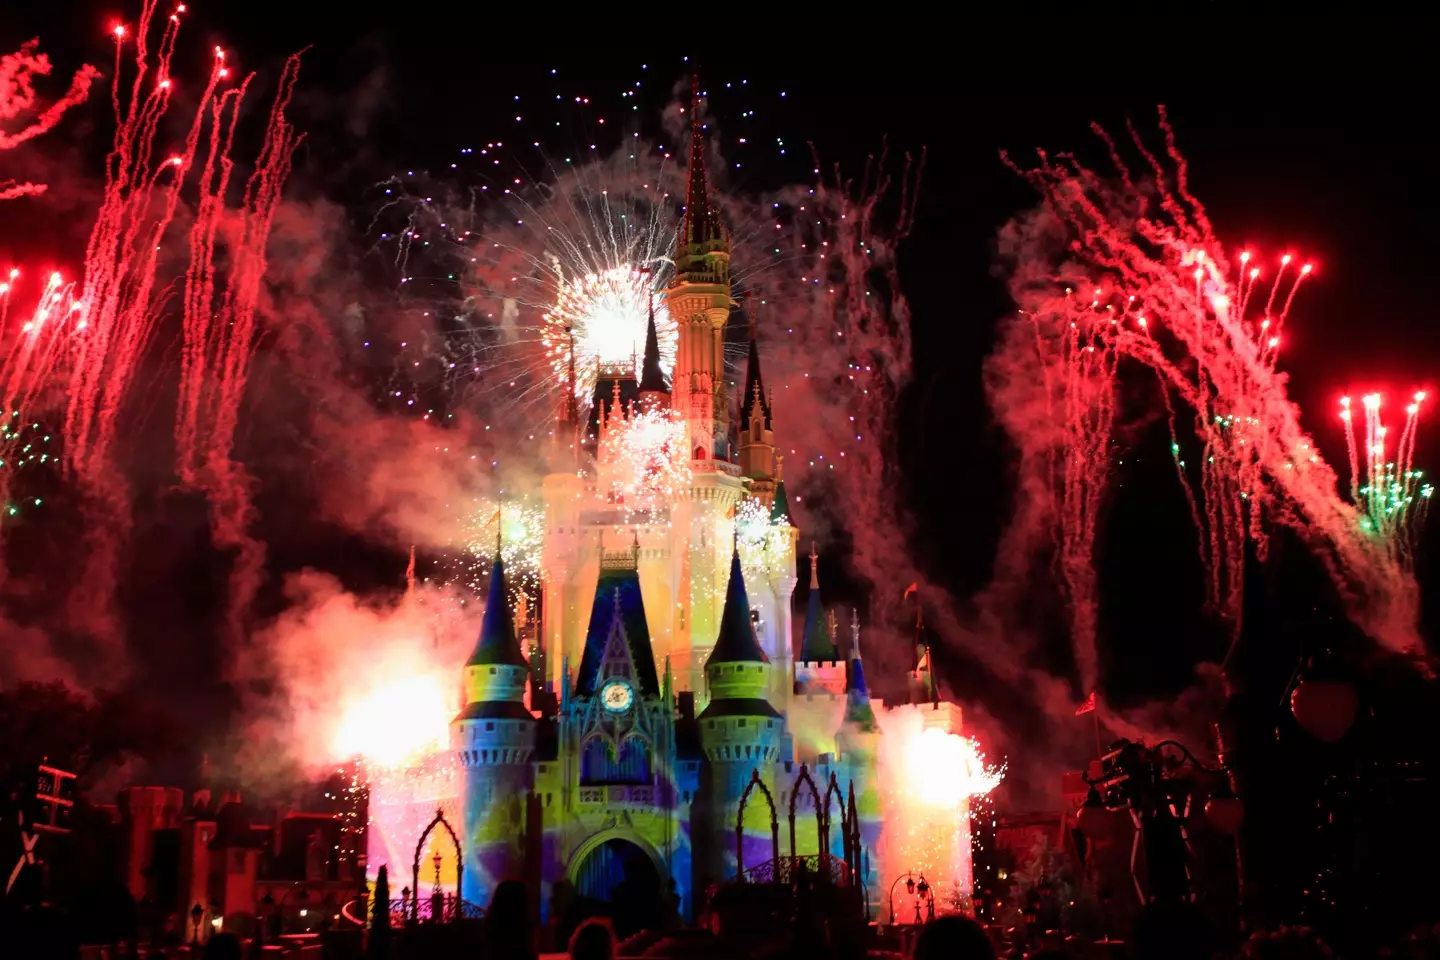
[[18, 71], [605, 317], [760, 540], [521, 530], [1168, 296], [1394, 499], [220, 326], [930, 777], [644, 460]]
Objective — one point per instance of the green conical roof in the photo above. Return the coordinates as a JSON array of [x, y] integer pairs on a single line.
[[780, 509]]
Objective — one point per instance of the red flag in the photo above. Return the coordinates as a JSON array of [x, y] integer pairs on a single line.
[[1088, 706], [912, 589]]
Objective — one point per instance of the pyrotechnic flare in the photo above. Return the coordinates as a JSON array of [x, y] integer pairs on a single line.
[[18, 71], [931, 780], [606, 314], [1167, 296]]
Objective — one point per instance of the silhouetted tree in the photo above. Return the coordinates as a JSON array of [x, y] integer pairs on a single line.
[[379, 946]]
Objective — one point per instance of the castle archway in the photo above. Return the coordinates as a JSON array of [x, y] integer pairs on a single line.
[[623, 872]]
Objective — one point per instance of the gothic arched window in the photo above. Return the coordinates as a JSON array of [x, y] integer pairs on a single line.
[[602, 763]]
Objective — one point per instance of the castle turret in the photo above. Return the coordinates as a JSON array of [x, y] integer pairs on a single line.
[[740, 730], [818, 668], [494, 737], [858, 741]]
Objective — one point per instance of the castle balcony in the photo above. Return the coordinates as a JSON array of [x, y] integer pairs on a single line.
[[618, 795]]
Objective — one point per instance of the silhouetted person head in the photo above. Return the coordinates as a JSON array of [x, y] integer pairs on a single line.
[[223, 946], [508, 922], [593, 940], [1172, 930], [510, 905], [953, 938]]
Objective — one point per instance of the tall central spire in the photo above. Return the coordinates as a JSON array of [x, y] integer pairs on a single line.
[[701, 233], [697, 201]]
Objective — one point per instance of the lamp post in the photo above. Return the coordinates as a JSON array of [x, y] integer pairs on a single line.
[[909, 888], [197, 912], [925, 893]]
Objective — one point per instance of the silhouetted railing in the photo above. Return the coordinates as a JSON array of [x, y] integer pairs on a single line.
[[817, 868], [443, 909]]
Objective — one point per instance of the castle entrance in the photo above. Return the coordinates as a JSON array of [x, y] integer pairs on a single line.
[[619, 873]]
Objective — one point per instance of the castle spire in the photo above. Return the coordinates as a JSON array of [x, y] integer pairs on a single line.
[[497, 643], [652, 378], [858, 710], [754, 395], [816, 645], [701, 232], [736, 642]]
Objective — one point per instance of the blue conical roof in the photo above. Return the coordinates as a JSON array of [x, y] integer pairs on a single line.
[[857, 697], [497, 643], [816, 645], [736, 641]]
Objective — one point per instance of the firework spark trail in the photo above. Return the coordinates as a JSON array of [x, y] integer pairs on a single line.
[[1187, 315], [18, 71], [1394, 500], [123, 252], [1078, 370], [220, 332]]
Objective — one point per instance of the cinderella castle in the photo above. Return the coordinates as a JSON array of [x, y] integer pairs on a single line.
[[607, 744]]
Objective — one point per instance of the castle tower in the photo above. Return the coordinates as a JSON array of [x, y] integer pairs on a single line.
[[494, 737], [699, 300], [740, 731], [819, 685], [858, 741]]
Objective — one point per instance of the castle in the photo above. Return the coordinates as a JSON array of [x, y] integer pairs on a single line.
[[662, 676]]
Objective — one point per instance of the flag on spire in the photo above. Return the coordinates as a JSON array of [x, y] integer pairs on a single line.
[[1087, 707]]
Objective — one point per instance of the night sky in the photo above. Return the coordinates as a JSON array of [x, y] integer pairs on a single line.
[[1308, 136]]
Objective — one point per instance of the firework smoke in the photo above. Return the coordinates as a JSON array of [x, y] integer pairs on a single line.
[[18, 71]]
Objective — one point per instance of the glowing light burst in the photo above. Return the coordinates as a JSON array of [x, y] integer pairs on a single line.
[[607, 314], [645, 464], [1169, 295], [929, 780], [397, 721]]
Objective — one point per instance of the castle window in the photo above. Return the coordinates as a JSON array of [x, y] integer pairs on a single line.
[[490, 725], [600, 763], [741, 723], [492, 671]]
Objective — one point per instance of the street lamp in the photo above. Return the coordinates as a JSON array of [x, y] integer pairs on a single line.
[[923, 892], [196, 913], [909, 889]]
